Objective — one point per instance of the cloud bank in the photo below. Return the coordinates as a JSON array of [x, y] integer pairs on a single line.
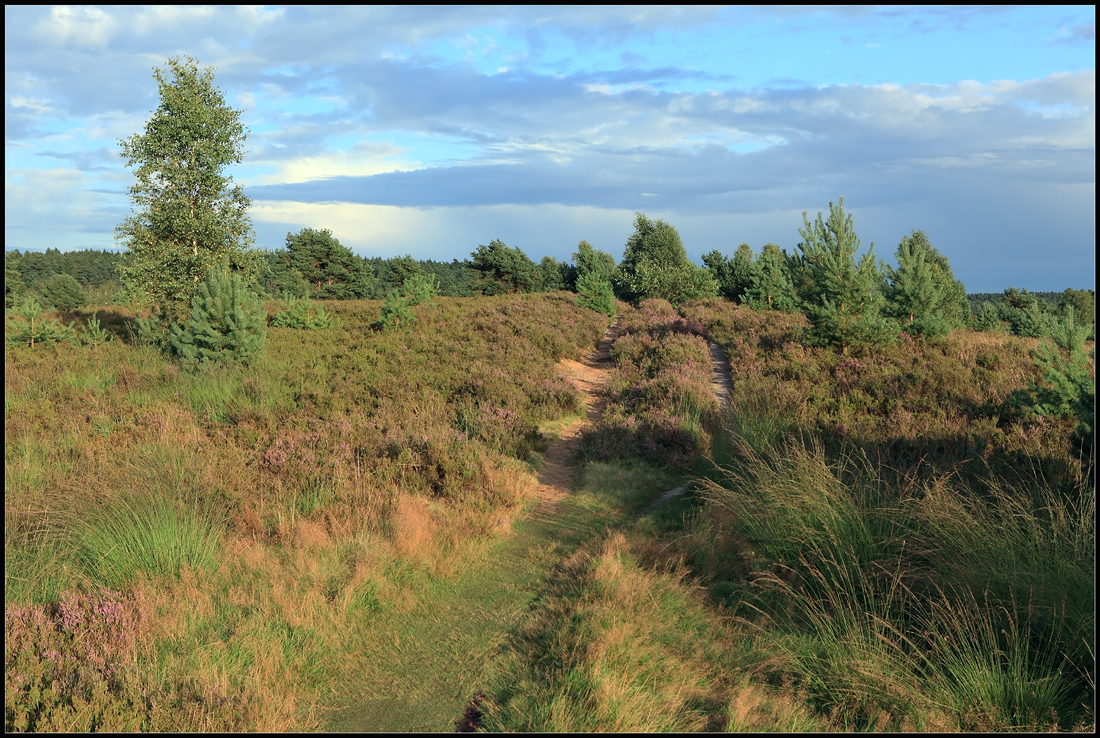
[[428, 131]]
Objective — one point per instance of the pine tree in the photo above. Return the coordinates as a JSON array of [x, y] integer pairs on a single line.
[[594, 291], [734, 276], [1068, 385], [771, 287], [227, 324], [589, 260], [840, 294], [914, 297], [505, 269], [987, 319], [63, 292], [332, 271], [955, 306]]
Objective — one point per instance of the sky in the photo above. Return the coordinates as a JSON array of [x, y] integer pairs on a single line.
[[429, 131]]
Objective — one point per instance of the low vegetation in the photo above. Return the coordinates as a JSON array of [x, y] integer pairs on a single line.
[[253, 518], [234, 481]]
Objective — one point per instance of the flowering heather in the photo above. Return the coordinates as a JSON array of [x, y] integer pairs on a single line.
[[307, 459], [66, 664], [935, 403], [661, 400]]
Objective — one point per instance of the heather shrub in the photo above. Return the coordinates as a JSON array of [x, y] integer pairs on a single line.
[[284, 480], [661, 401], [69, 666], [908, 545]]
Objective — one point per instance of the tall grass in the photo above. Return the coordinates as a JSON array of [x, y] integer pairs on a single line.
[[147, 535], [922, 607]]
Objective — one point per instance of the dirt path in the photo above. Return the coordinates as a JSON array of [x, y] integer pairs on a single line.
[[589, 376], [430, 662], [720, 379]]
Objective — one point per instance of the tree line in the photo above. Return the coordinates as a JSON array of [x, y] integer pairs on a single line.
[[189, 218]]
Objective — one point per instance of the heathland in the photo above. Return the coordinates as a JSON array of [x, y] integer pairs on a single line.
[[298, 489], [350, 531]]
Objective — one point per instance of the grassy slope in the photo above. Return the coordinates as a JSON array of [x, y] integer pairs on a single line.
[[345, 476], [430, 661]]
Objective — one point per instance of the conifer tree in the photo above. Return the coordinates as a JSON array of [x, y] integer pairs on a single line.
[[839, 294], [1068, 384], [914, 297], [551, 274], [227, 324], [589, 260], [63, 292], [771, 287], [594, 291], [505, 269], [332, 271], [734, 276]]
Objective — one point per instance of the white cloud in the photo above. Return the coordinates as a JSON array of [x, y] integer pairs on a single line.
[[81, 26]]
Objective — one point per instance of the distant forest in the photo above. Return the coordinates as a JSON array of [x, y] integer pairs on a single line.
[[98, 271], [92, 269]]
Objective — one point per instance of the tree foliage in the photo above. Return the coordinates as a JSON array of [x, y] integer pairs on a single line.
[[226, 325], [330, 269], [734, 276], [1028, 316], [552, 274], [1067, 386], [770, 285], [588, 260], [594, 291], [63, 292], [922, 293], [26, 327], [839, 293], [1083, 303], [505, 269], [913, 295], [301, 313], [655, 265], [188, 215]]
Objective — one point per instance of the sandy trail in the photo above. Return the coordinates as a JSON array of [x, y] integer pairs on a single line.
[[589, 376]]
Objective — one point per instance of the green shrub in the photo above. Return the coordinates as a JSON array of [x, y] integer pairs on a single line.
[[595, 292], [840, 294], [227, 324], [1068, 385], [419, 289], [396, 312], [95, 334], [29, 329], [303, 314], [63, 292], [987, 320]]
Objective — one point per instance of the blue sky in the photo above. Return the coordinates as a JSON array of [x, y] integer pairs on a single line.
[[430, 130]]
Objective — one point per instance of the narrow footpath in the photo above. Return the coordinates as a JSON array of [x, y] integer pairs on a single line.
[[439, 656]]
